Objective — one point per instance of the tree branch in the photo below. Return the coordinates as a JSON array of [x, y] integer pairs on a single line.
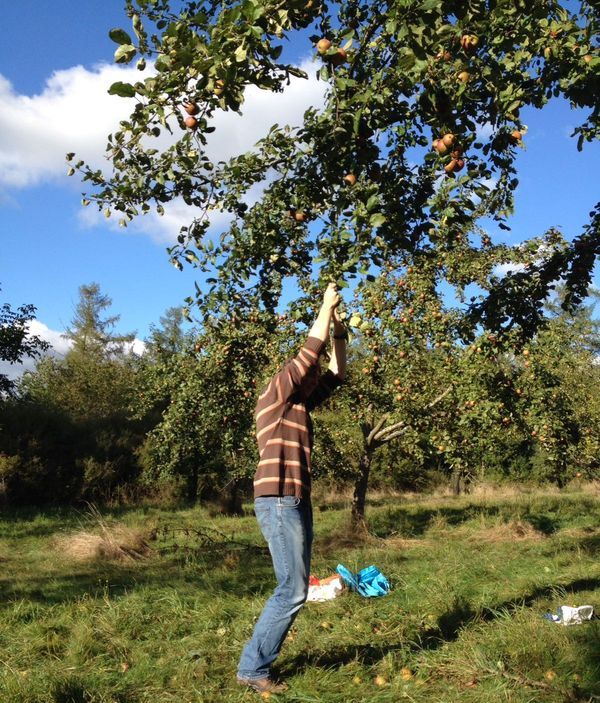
[[440, 397], [385, 434], [374, 432], [399, 433]]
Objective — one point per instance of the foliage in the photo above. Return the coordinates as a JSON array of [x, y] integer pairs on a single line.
[[356, 194], [90, 332], [418, 405], [71, 431], [490, 408], [15, 340], [168, 337], [205, 396], [560, 376], [355, 186], [38, 456]]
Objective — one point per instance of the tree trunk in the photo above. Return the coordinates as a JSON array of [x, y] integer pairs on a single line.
[[360, 491], [192, 484], [456, 483], [232, 500]]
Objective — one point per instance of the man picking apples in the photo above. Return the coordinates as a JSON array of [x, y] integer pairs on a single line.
[[282, 485]]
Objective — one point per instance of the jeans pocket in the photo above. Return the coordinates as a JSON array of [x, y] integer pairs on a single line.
[[289, 502]]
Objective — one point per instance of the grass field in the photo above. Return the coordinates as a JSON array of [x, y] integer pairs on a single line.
[[472, 577]]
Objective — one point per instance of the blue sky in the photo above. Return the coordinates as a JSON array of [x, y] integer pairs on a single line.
[[55, 66]]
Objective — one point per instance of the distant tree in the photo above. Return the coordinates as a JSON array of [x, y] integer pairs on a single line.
[[16, 342], [579, 328], [464, 410], [92, 389], [559, 378], [90, 332], [39, 449], [413, 383], [95, 378], [168, 337]]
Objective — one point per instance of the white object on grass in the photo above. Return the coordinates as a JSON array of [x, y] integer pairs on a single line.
[[327, 589], [568, 615]]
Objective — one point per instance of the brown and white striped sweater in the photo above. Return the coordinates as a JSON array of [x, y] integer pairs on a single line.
[[284, 428]]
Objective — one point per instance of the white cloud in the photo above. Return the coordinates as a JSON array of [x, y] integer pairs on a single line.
[[162, 229], [544, 251], [137, 347], [59, 346], [165, 228], [236, 134], [75, 113]]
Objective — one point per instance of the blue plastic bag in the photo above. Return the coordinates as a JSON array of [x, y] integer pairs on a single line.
[[369, 582]]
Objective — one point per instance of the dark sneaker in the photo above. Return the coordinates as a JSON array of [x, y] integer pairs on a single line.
[[263, 685]]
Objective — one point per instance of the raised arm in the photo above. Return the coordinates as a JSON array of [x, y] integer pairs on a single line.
[[289, 379], [320, 328], [337, 363]]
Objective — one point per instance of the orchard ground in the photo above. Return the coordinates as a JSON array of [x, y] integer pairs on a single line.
[[472, 577]]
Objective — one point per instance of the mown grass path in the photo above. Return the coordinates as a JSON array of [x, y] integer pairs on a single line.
[[471, 579]]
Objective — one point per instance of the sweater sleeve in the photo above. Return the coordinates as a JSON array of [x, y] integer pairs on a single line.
[[288, 380], [327, 384]]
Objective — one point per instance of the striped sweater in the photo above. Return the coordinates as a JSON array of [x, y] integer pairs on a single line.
[[284, 428]]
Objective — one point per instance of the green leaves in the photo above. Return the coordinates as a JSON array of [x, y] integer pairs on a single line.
[[406, 80], [125, 53], [377, 220], [162, 63], [372, 203], [119, 36], [240, 54], [123, 90]]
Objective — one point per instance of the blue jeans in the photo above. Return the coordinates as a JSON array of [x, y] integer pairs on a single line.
[[286, 524]]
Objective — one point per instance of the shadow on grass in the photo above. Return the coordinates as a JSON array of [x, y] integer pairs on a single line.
[[69, 691], [28, 524], [449, 625], [591, 545], [425, 639], [571, 588], [17, 523], [345, 504], [415, 522], [411, 523], [543, 523], [73, 690], [234, 573], [547, 515], [331, 545], [588, 646]]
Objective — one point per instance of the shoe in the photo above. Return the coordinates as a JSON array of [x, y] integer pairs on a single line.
[[265, 685]]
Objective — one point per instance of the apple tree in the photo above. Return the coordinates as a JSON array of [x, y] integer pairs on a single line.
[[203, 398], [558, 382], [358, 182], [412, 380], [411, 153]]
